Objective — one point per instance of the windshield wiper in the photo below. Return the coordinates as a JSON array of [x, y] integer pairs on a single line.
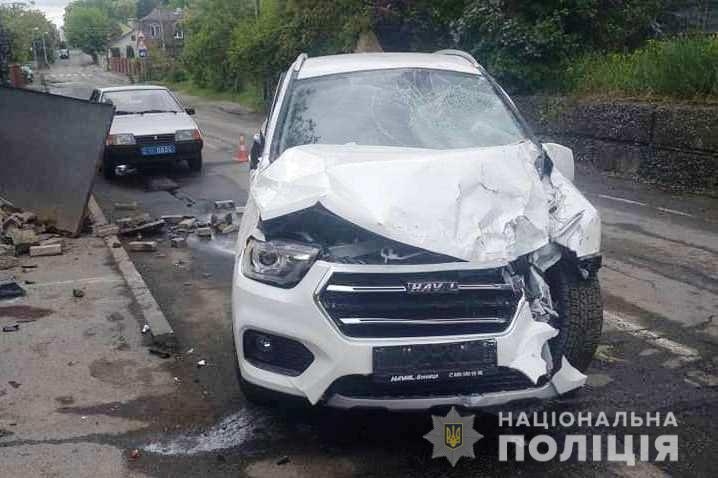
[[122, 112]]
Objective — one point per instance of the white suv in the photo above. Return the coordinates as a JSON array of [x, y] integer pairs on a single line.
[[409, 243]]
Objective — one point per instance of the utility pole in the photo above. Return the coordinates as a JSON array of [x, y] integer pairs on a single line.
[[44, 50]]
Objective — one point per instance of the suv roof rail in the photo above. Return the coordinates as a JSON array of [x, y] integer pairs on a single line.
[[466, 56], [300, 61]]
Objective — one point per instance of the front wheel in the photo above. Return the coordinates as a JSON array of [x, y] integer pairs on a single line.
[[195, 164], [580, 308]]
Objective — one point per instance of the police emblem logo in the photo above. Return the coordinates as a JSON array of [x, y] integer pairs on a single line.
[[453, 436]]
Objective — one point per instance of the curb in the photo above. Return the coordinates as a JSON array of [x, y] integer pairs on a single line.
[[160, 328]]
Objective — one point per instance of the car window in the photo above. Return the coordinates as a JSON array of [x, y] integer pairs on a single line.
[[141, 101], [416, 108]]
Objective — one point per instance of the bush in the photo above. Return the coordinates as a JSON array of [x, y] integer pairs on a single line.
[[525, 43], [685, 68]]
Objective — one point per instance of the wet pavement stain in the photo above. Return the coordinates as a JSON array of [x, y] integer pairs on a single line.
[[24, 312]]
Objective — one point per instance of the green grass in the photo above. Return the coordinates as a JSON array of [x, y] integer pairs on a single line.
[[681, 68], [250, 97]]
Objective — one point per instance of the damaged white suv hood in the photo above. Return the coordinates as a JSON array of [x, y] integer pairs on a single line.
[[483, 205]]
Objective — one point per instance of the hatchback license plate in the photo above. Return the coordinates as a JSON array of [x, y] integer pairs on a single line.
[[434, 362], [158, 149]]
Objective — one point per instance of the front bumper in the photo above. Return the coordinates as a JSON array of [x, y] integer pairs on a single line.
[[295, 313], [131, 155]]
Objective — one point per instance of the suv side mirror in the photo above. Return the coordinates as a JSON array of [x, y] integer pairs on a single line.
[[257, 148], [189, 110], [562, 159]]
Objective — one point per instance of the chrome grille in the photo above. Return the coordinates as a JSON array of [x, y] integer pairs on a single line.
[[382, 305]]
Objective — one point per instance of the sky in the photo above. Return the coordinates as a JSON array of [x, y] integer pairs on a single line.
[[53, 9]]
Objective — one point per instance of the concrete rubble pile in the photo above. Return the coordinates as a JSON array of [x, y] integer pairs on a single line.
[[22, 233], [178, 226]]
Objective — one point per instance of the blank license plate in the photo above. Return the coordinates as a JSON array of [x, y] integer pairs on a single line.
[[434, 362], [158, 149]]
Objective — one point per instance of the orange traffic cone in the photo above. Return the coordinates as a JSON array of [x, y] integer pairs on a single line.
[[242, 155]]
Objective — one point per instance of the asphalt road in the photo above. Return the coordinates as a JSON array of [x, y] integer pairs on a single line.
[[658, 352]]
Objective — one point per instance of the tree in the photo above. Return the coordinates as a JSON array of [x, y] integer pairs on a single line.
[[89, 29], [26, 28]]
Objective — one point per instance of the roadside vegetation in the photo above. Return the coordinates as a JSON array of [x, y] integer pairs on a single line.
[[567, 46], [25, 28], [683, 68]]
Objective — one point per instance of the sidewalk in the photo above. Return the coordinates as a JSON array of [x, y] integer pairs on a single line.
[[71, 367]]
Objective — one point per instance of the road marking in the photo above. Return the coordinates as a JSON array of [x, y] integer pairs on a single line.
[[643, 204], [674, 211], [627, 201], [687, 353]]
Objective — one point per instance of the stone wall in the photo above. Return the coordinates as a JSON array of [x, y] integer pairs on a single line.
[[673, 145]]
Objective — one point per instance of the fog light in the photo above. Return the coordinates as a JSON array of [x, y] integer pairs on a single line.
[[263, 344], [276, 354]]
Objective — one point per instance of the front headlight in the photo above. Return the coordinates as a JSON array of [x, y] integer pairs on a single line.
[[124, 139], [280, 263], [187, 135]]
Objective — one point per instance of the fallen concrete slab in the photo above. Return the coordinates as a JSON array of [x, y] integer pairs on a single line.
[[51, 146]]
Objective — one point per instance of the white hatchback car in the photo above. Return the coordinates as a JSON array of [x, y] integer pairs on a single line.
[[409, 243], [150, 126]]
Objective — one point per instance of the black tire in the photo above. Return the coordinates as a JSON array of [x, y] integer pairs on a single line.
[[108, 169], [580, 308], [195, 164]]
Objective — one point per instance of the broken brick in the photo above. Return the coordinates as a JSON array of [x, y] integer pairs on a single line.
[[226, 204], [178, 242], [105, 230], [204, 232], [143, 246], [48, 250], [228, 228]]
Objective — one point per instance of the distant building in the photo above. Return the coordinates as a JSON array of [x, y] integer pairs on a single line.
[[162, 28]]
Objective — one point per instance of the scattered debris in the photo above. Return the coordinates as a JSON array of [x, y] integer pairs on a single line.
[[10, 289], [173, 219], [116, 245], [178, 241], [204, 232], [160, 352], [229, 228], [239, 209], [143, 246], [48, 250], [131, 221], [186, 224], [201, 363], [283, 460], [6, 250], [189, 351], [226, 204], [126, 205], [146, 227], [78, 293], [14, 384], [105, 230], [8, 262], [54, 240], [145, 328], [135, 455], [29, 266], [11, 328]]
